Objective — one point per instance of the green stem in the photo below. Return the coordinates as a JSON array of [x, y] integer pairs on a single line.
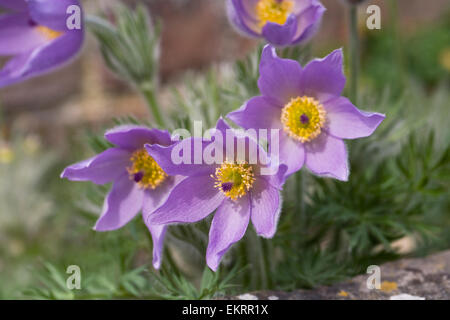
[[267, 248], [244, 261], [354, 53], [148, 92], [261, 262], [171, 261], [397, 41]]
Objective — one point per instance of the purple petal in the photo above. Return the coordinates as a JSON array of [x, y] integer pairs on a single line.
[[292, 154], [258, 113], [135, 137], [280, 35], [345, 121], [324, 78], [17, 35], [42, 60], [308, 22], [242, 17], [191, 200], [279, 78], [302, 5], [248, 7], [154, 198], [158, 232], [266, 207], [277, 179], [10, 73], [121, 205], [228, 226], [240, 145], [50, 13], [222, 126], [18, 5], [103, 168], [327, 156], [173, 160], [232, 139]]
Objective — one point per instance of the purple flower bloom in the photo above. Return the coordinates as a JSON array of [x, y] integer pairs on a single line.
[[234, 186], [307, 106], [280, 22], [139, 183], [36, 34]]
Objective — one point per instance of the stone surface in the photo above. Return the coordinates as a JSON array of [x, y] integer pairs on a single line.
[[407, 279]]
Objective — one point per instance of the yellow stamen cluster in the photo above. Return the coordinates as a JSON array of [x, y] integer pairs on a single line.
[[276, 11], [48, 33], [234, 180], [303, 118], [145, 171]]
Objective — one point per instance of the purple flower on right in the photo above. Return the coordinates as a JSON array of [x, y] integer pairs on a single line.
[[305, 103]]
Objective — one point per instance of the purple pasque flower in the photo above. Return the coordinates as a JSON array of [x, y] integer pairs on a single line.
[[36, 34], [139, 183], [280, 22], [234, 185], [305, 103]]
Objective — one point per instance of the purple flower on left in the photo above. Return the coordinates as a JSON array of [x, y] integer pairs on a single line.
[[36, 34], [139, 183]]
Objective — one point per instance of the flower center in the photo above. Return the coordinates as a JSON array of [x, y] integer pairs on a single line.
[[145, 171], [276, 11], [48, 33], [303, 118], [234, 180]]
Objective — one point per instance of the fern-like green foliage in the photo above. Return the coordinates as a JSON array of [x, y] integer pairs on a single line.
[[137, 283]]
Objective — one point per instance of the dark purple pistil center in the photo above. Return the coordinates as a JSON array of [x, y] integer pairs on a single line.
[[138, 176], [227, 186], [304, 119]]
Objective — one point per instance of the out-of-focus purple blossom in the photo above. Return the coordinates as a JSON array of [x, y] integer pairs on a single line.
[[39, 35], [139, 183], [306, 105], [233, 185], [280, 22]]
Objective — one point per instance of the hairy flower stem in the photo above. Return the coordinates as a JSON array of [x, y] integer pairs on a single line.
[[354, 52], [148, 92], [244, 262], [262, 262], [267, 256]]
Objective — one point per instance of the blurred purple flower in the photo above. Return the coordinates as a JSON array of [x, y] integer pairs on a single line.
[[139, 183], [307, 106], [233, 186], [281, 22], [36, 34]]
